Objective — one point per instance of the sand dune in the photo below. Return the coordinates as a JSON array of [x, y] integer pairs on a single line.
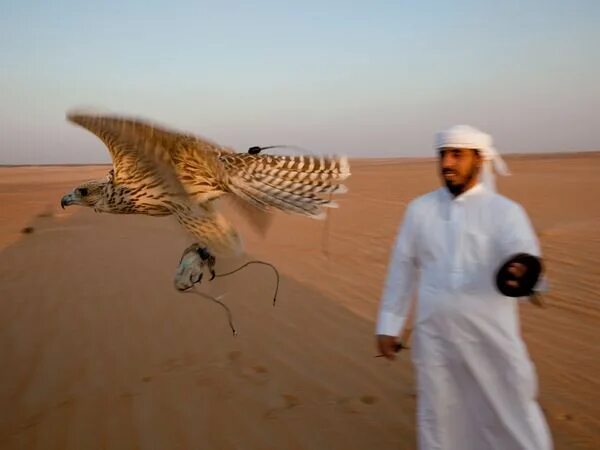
[[99, 351]]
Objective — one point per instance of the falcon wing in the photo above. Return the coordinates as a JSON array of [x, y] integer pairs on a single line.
[[295, 184], [196, 161], [193, 161], [155, 169], [128, 165]]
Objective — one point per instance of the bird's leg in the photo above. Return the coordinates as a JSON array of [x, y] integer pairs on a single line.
[[209, 259]]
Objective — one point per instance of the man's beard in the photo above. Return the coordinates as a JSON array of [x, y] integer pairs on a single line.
[[458, 188]]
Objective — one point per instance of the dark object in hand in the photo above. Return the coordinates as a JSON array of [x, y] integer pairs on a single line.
[[518, 276], [400, 346], [397, 347]]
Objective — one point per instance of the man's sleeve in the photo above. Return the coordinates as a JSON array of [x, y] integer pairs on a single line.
[[517, 235], [400, 281]]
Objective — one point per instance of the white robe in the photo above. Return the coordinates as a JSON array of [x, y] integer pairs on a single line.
[[477, 386]]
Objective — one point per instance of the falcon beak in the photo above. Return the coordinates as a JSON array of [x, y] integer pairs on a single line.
[[67, 200]]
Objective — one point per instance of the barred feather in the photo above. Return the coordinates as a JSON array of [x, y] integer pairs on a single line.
[[288, 183]]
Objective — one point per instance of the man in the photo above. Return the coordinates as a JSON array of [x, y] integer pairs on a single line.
[[476, 384]]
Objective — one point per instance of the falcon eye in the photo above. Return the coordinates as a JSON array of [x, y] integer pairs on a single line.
[[83, 191]]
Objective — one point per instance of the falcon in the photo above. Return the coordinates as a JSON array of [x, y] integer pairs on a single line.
[[158, 172]]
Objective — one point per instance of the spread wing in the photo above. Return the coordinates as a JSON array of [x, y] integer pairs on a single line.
[[204, 170], [196, 161], [157, 171], [298, 184], [193, 161], [130, 167]]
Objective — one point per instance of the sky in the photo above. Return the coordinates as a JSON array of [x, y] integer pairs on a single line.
[[373, 78]]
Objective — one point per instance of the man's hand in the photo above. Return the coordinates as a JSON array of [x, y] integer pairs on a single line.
[[388, 346], [517, 270], [518, 276]]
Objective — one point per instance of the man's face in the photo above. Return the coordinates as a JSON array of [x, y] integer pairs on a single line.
[[459, 168]]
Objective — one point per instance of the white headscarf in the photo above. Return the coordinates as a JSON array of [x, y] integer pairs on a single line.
[[464, 136]]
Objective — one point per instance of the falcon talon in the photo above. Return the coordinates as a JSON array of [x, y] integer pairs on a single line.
[[197, 279], [192, 265], [204, 253], [196, 258], [210, 260]]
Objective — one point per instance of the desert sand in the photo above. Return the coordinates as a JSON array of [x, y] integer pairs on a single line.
[[98, 350]]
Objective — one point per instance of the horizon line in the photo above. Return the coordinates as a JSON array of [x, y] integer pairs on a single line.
[[561, 153]]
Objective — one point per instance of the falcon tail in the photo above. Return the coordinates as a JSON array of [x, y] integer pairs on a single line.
[[296, 184]]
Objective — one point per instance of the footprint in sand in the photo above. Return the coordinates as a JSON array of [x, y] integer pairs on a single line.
[[173, 364], [355, 405], [128, 395], [65, 403], [368, 399], [259, 369], [291, 401], [234, 355], [565, 417], [287, 401], [256, 373], [33, 421]]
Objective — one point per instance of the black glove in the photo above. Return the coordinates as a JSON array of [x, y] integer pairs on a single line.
[[524, 283]]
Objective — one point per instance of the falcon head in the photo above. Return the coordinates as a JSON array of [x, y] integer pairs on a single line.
[[87, 194]]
